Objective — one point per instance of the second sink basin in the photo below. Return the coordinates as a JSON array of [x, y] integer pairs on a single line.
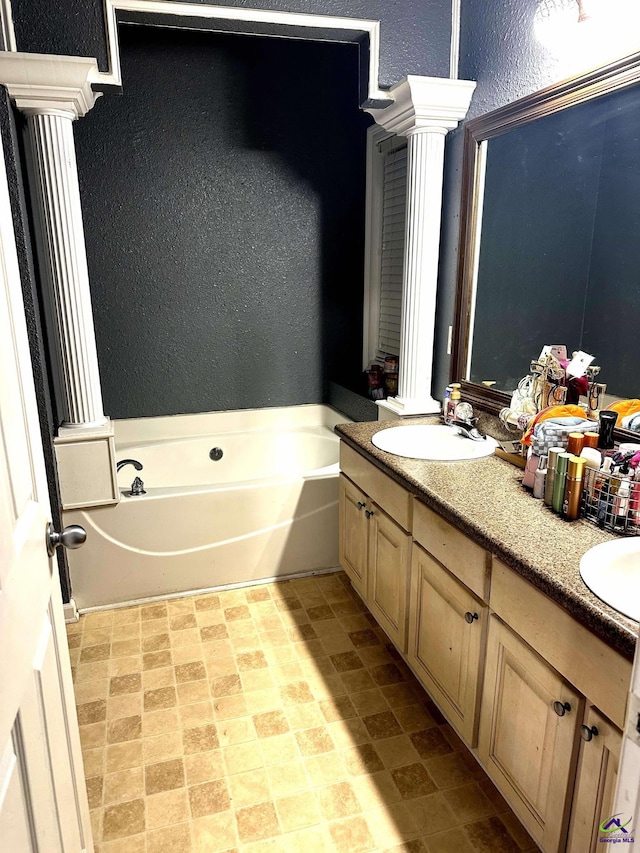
[[611, 570], [432, 441]]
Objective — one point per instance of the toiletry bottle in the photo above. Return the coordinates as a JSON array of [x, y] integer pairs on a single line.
[[603, 493], [621, 504], [554, 452], [592, 463], [560, 480], [607, 425], [575, 443], [573, 490], [591, 439], [539, 478], [634, 501], [452, 402]]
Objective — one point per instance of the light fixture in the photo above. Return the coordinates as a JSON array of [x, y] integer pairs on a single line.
[[587, 33]]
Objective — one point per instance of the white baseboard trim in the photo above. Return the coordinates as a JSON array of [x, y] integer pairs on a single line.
[[71, 613], [173, 595]]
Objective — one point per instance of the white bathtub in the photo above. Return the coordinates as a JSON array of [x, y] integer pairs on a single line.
[[268, 508]]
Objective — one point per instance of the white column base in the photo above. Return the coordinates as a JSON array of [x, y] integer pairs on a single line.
[[407, 408], [70, 612], [86, 461]]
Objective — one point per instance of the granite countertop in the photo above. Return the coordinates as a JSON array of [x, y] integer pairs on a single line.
[[486, 500]]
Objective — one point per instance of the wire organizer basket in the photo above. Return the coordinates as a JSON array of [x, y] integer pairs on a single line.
[[602, 505]]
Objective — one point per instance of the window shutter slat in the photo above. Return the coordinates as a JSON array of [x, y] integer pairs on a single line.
[[394, 206]]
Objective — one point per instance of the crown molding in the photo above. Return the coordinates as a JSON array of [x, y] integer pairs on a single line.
[[431, 103], [40, 83]]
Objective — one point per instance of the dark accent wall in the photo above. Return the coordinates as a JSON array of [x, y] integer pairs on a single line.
[[10, 127], [415, 34], [223, 201], [499, 50]]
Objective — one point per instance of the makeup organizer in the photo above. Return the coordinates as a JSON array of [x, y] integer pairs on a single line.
[[611, 502]]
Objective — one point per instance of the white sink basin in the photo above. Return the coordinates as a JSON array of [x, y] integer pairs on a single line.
[[612, 571], [432, 441]]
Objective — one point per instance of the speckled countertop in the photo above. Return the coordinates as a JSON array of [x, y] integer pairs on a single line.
[[486, 500]]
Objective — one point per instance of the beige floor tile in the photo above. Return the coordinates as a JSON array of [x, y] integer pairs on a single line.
[[256, 823], [397, 751], [279, 750], [164, 776], [229, 707], [242, 758], [209, 798], [154, 679], [130, 844], [235, 731], [90, 690], [162, 747], [248, 789], [298, 811], [91, 671], [220, 666], [305, 716], [93, 735], [127, 705], [432, 814], [257, 679], [191, 653], [204, 767], [338, 801], [94, 761], [167, 808], [159, 722], [176, 839], [214, 833], [123, 819], [351, 835], [287, 779], [325, 769], [192, 691], [259, 701], [123, 785], [198, 714], [391, 825]]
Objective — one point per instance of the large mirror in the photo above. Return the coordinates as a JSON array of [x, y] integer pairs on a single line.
[[550, 240]]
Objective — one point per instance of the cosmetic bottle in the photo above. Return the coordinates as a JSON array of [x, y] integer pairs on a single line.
[[621, 503], [634, 501], [539, 478], [554, 452], [607, 425], [573, 489], [575, 443], [592, 463], [560, 481], [591, 439], [603, 493], [452, 402]]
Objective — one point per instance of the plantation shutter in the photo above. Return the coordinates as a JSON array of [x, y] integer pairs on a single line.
[[392, 255]]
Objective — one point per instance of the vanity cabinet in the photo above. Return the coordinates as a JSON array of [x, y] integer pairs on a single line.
[[447, 626], [600, 747], [538, 697], [529, 720], [374, 546]]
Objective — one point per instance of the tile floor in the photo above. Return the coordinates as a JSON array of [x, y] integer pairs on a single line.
[[277, 717]]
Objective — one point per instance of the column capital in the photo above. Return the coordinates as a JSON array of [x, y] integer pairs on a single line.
[[40, 84], [425, 103]]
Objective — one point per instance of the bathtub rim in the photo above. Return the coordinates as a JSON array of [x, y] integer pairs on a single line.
[[168, 596]]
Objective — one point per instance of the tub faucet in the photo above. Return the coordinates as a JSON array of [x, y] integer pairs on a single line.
[[137, 465]]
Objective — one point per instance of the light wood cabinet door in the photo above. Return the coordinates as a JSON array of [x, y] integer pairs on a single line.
[[353, 529], [595, 782], [525, 744], [447, 628], [388, 569]]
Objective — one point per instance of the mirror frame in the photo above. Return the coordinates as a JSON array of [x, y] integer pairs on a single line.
[[609, 78]]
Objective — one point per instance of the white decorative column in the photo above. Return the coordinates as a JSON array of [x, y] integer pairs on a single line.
[[425, 109], [52, 92]]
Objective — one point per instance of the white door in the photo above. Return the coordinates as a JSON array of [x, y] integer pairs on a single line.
[[43, 800]]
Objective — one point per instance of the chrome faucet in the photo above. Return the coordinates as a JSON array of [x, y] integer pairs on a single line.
[[137, 465], [468, 429]]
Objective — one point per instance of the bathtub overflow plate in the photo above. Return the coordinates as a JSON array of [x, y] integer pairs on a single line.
[[215, 453]]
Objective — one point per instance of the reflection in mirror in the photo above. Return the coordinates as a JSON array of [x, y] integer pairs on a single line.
[[559, 254], [550, 234]]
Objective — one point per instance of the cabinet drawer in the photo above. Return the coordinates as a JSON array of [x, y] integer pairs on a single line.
[[389, 495], [467, 561], [591, 665]]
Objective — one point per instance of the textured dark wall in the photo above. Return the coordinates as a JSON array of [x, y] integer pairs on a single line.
[[19, 207], [224, 222], [498, 49], [415, 34]]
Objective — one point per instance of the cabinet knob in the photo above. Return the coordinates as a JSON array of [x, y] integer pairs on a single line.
[[587, 733], [361, 504], [368, 513], [561, 708], [470, 617]]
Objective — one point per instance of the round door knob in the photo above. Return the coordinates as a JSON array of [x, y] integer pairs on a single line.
[[361, 504], [587, 733], [561, 708], [470, 617], [71, 537]]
